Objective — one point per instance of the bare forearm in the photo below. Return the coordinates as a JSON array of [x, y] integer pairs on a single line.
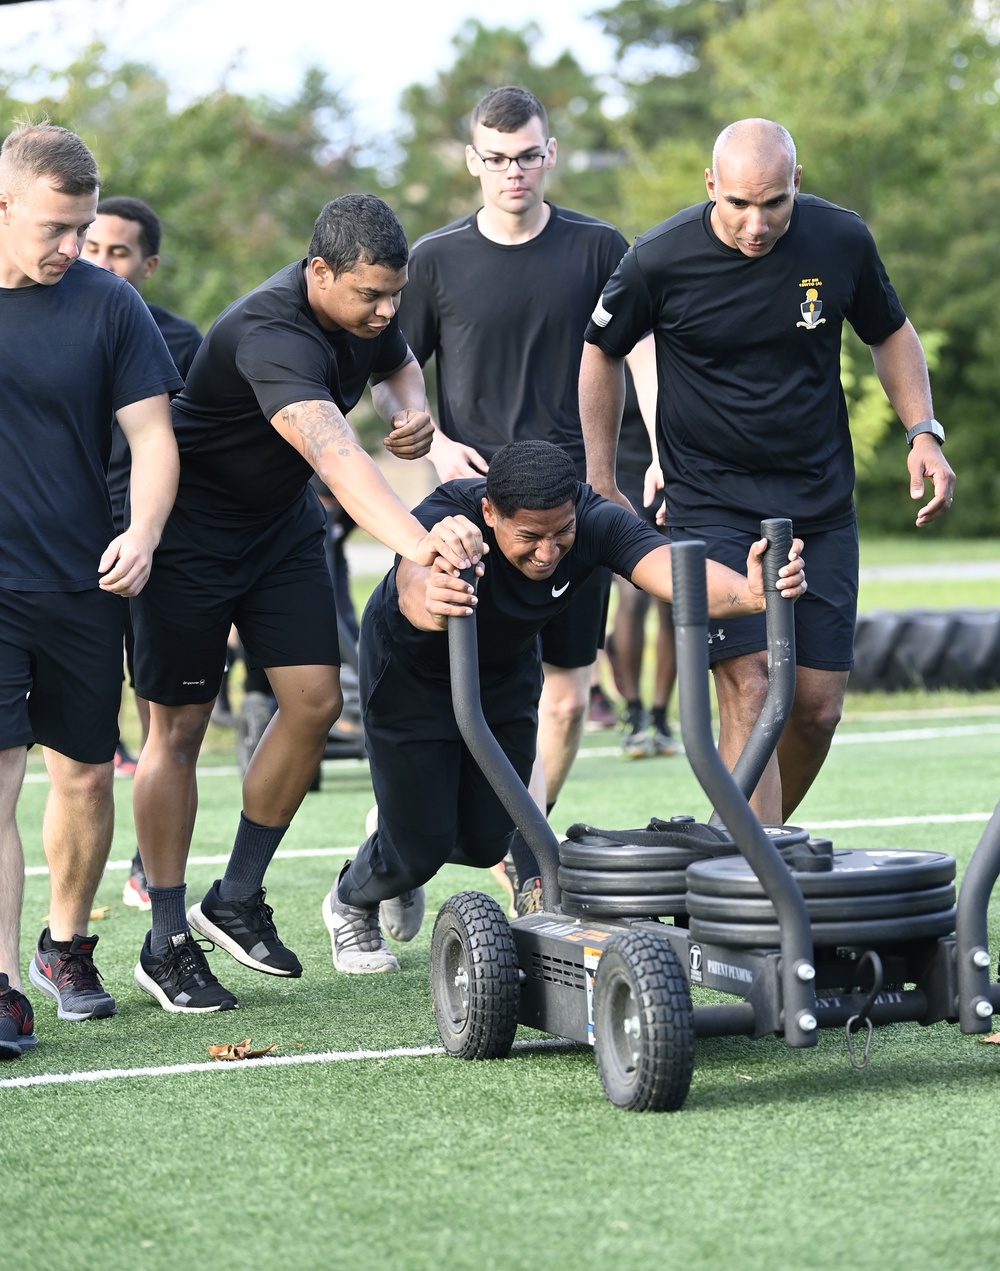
[[729, 593], [602, 398], [327, 441], [403, 390], [153, 484], [902, 371]]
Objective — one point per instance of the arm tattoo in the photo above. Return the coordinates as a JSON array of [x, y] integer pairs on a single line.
[[320, 425], [734, 600]]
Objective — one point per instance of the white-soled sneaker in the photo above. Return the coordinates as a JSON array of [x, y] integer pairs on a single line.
[[358, 945]]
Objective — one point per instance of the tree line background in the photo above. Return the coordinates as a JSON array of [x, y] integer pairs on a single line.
[[893, 107]]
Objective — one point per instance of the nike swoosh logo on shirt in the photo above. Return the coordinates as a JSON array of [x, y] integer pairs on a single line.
[[558, 591]]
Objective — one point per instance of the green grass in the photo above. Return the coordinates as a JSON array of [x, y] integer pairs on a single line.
[[779, 1159]]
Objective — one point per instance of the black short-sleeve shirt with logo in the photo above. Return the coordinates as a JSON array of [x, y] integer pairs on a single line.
[[512, 608], [751, 416]]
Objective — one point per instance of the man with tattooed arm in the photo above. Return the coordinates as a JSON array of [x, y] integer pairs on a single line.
[[264, 407]]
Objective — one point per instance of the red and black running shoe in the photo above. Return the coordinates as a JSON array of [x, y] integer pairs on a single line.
[[17, 1022], [69, 976]]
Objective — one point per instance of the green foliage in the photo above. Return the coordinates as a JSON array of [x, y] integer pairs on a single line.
[[237, 182], [894, 109]]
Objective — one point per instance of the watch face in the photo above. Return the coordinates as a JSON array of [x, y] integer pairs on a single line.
[[928, 425]]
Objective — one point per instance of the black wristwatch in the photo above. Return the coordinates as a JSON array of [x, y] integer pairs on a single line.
[[926, 425]]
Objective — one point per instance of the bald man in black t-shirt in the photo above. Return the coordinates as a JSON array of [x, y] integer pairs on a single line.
[[747, 295], [545, 533]]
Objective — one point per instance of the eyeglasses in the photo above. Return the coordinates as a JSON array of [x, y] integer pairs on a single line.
[[501, 162]]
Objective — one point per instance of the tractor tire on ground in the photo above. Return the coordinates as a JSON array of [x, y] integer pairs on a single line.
[[643, 1024], [474, 977]]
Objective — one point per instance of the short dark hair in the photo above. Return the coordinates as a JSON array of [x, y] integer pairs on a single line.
[[46, 150], [507, 109], [359, 229], [532, 476], [130, 209]]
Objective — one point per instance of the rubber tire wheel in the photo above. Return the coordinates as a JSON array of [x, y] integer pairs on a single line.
[[475, 987], [643, 1024]]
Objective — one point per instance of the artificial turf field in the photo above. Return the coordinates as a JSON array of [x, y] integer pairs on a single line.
[[125, 1146]]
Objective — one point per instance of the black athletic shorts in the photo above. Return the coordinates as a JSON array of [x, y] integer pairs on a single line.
[[272, 582], [61, 671], [572, 638], [824, 616]]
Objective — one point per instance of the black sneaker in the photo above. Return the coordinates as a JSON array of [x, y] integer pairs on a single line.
[[181, 980], [636, 744], [245, 929], [71, 978], [17, 1022]]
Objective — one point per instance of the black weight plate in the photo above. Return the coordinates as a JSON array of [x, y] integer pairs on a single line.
[[827, 934], [897, 904], [855, 873], [623, 882], [579, 906], [602, 854]]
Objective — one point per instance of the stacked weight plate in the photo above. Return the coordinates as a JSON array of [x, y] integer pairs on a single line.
[[642, 872], [864, 898]]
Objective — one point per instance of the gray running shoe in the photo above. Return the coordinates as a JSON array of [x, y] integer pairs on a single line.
[[663, 741], [72, 979], [358, 945], [403, 915]]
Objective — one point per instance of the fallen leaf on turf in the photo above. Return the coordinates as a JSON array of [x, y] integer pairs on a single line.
[[240, 1050], [994, 1038]]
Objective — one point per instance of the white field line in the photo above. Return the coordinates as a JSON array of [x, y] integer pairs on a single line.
[[266, 1061], [886, 736], [842, 739]]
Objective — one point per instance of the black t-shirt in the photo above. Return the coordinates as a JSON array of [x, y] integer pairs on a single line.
[[506, 323], [73, 354], [512, 608], [751, 416], [183, 340], [264, 352]]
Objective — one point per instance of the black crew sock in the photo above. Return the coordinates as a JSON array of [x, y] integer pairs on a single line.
[[253, 849], [660, 718], [47, 944], [168, 912]]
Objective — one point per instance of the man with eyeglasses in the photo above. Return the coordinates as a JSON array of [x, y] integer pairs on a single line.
[[501, 298]]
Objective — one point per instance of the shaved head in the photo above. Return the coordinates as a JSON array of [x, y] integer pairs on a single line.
[[760, 143]]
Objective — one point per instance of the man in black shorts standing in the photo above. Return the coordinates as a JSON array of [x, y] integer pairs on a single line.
[[79, 347], [544, 535], [746, 296], [125, 239], [501, 299], [263, 407]]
